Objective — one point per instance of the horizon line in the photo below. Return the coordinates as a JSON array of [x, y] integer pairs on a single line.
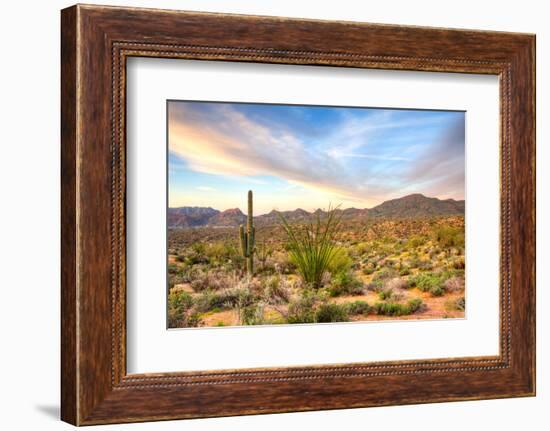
[[317, 209]]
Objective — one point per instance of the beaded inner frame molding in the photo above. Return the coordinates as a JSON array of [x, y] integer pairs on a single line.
[[96, 41]]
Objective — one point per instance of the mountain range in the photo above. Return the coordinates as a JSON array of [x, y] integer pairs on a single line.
[[411, 206]]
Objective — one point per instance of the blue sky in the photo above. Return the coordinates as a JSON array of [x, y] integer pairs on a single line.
[[309, 157]]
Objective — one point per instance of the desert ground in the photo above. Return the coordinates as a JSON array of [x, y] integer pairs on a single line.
[[378, 268]]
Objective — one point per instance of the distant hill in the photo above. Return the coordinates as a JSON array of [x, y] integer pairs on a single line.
[[227, 218], [411, 206], [274, 216], [190, 216], [417, 205]]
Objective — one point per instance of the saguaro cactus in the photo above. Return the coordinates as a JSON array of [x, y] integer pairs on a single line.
[[248, 243]]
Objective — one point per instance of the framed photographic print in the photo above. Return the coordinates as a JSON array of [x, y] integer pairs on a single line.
[[325, 214]]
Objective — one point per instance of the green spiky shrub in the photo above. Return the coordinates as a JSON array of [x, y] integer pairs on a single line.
[[312, 246]]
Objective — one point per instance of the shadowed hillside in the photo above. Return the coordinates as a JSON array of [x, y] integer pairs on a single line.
[[411, 206]]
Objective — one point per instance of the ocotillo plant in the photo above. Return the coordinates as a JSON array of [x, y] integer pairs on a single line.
[[248, 243], [312, 246]]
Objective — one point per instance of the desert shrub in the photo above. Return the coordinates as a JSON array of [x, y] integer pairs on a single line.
[[390, 294], [398, 309], [180, 310], [302, 309], [326, 279], [396, 283], [414, 262], [330, 312], [263, 252], [276, 290], [459, 263], [252, 315], [177, 274], [415, 241], [429, 282], [390, 263], [282, 263], [375, 286], [345, 283], [196, 254], [173, 268], [212, 280], [368, 270], [437, 291], [404, 271], [358, 307], [180, 258], [385, 274], [448, 236], [391, 309], [219, 252], [340, 262], [210, 300], [238, 297], [200, 282], [415, 304], [198, 247], [360, 249], [380, 278], [254, 285], [425, 265], [456, 304], [312, 246], [454, 284], [180, 300]]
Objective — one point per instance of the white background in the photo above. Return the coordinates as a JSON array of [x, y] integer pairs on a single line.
[[151, 348], [29, 224]]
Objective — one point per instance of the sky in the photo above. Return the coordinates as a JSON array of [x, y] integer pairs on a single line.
[[309, 157]]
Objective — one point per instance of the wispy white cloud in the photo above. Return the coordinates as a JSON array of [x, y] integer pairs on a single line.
[[362, 159], [234, 145], [206, 189], [368, 156]]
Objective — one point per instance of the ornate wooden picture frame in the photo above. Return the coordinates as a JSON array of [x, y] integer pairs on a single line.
[[96, 41]]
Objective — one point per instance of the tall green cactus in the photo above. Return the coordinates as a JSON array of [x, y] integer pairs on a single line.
[[248, 243]]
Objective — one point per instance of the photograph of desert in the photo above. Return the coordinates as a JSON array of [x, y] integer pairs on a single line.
[[297, 214]]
